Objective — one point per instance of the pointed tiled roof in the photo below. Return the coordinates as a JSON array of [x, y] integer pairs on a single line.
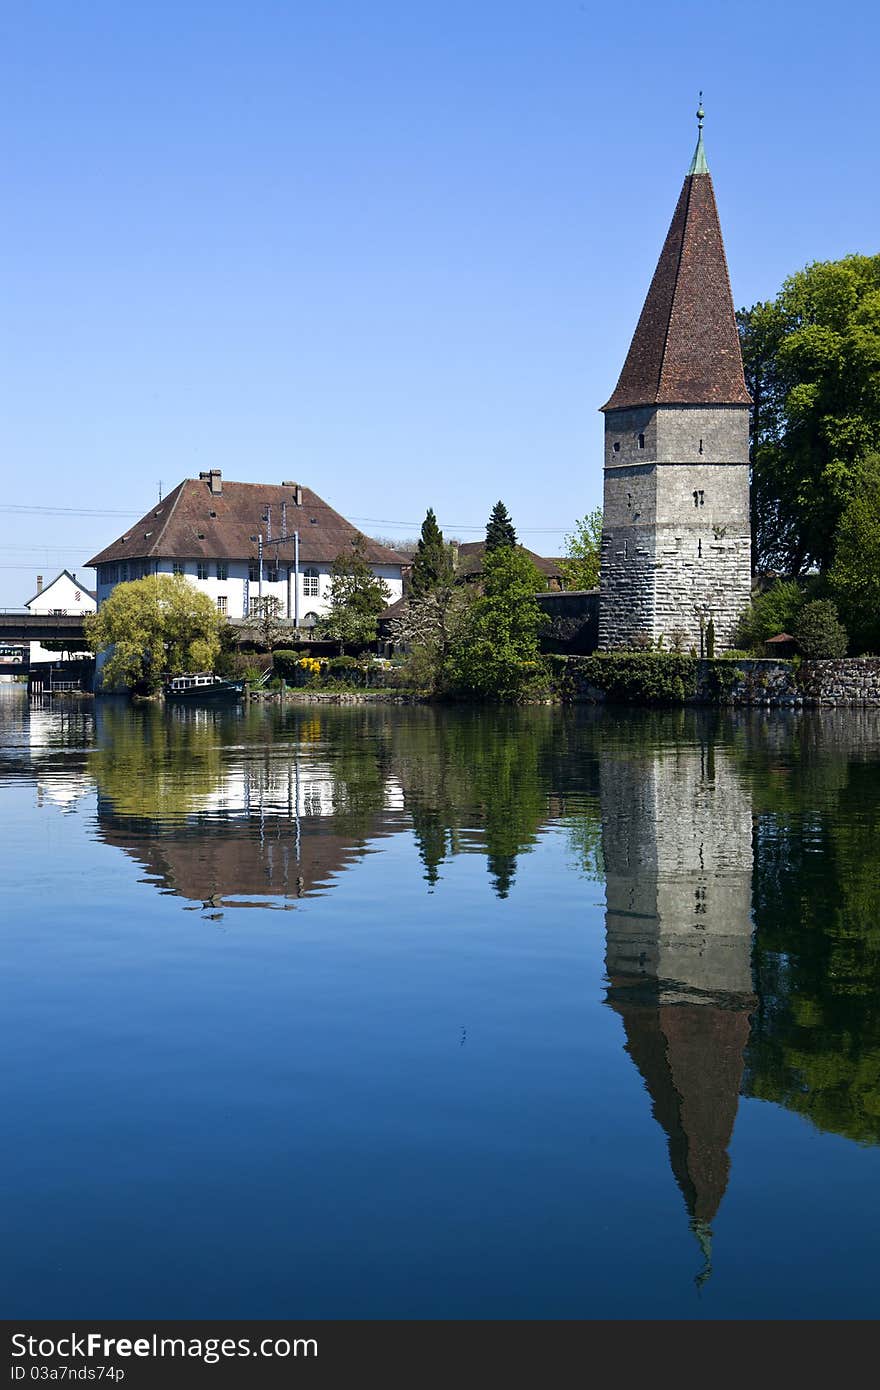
[[193, 522], [685, 350], [691, 1058]]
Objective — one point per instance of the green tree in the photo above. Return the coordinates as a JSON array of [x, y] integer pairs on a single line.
[[432, 565], [499, 529], [153, 628], [496, 654], [770, 613], [357, 597], [812, 360], [580, 568], [855, 574], [819, 632]]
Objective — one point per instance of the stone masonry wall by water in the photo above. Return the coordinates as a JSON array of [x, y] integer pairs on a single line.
[[850, 681]]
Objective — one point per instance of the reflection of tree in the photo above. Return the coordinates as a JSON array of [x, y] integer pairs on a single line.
[[155, 766], [816, 1039], [473, 774]]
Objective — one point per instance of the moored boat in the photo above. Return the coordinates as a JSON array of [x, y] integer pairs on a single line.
[[203, 686]]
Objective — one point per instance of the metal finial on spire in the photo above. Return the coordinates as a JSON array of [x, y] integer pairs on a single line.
[[698, 163]]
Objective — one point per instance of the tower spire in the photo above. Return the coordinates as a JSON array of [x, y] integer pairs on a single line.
[[685, 350], [698, 163]]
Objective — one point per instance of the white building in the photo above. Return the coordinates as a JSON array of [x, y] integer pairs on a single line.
[[63, 596], [241, 543]]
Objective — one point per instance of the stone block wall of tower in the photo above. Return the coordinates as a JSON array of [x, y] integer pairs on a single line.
[[677, 847], [676, 547]]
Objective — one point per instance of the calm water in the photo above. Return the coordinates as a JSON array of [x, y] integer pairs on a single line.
[[378, 1012]]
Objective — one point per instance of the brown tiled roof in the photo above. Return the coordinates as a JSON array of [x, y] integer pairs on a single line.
[[471, 553], [394, 610], [193, 522], [223, 859], [685, 350]]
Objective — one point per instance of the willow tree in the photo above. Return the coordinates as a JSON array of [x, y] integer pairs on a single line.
[[151, 629]]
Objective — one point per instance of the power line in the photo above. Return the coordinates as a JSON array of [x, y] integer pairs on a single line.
[[27, 568], [20, 510], [45, 549], [458, 525]]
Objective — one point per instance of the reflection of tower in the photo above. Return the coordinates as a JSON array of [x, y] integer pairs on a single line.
[[677, 843]]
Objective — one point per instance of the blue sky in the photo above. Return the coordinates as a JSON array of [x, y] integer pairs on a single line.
[[395, 251]]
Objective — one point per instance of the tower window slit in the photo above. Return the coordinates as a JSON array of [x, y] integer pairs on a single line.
[[642, 441]]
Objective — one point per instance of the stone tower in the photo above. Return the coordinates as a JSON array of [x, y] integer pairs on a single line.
[[676, 546]]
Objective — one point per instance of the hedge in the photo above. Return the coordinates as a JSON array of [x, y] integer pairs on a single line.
[[639, 678]]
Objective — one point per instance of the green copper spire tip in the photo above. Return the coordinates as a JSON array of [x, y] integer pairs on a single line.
[[698, 163], [703, 1232]]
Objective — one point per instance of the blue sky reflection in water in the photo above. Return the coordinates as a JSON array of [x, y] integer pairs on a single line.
[[379, 1012]]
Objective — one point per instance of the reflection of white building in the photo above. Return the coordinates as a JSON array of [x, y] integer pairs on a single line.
[[64, 596], [242, 543], [51, 732], [298, 787]]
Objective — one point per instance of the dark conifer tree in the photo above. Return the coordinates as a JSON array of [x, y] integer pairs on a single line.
[[499, 530], [432, 565]]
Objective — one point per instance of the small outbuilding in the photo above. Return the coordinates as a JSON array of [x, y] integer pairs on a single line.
[[782, 646]]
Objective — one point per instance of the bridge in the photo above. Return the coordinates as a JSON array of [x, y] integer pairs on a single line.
[[22, 626], [18, 625]]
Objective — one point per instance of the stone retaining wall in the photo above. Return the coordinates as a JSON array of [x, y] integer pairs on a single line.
[[851, 681], [848, 681]]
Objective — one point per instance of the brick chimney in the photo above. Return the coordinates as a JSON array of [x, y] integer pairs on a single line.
[[214, 479]]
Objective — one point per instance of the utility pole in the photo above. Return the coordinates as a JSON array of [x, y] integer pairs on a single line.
[[276, 542]]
